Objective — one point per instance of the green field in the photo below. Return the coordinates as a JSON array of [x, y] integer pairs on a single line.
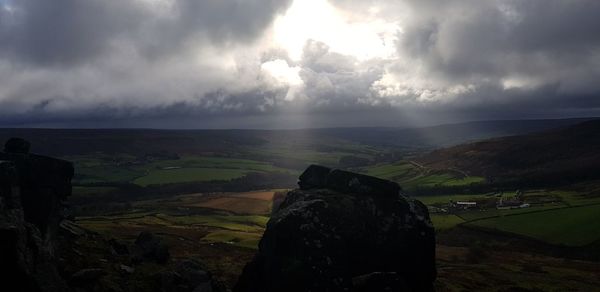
[[127, 169], [182, 217], [106, 174], [242, 231], [232, 222], [213, 162], [325, 153], [182, 175], [411, 176], [442, 222], [575, 198], [439, 179], [576, 226], [241, 239], [391, 171], [463, 181], [427, 180]]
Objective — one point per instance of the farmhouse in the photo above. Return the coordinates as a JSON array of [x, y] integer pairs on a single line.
[[434, 209], [464, 205], [515, 203]]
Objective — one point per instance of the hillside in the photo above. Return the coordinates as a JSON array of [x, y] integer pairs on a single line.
[[558, 156], [448, 134], [63, 142]]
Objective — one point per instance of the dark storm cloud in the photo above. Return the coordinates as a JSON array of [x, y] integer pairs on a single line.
[[136, 62], [73, 31], [61, 31], [499, 57], [483, 39], [67, 59]]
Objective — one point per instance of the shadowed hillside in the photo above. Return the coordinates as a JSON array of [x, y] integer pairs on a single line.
[[557, 157], [448, 134], [61, 142]]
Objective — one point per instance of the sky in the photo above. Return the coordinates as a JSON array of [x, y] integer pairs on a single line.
[[295, 63]]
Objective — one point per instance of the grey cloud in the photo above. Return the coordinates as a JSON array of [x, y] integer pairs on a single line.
[[115, 61], [496, 38], [67, 58], [317, 56], [63, 31], [73, 31], [336, 82], [230, 20]]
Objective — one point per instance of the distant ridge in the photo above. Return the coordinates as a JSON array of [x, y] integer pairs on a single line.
[[82, 141], [563, 155], [451, 134]]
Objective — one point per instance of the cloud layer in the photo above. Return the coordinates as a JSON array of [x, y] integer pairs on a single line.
[[271, 63]]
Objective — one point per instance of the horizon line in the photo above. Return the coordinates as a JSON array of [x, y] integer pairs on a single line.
[[296, 129]]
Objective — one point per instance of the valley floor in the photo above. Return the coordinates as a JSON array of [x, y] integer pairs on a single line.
[[222, 230]]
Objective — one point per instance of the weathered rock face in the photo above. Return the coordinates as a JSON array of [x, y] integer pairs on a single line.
[[31, 190], [43, 184], [344, 232], [34, 256], [320, 177]]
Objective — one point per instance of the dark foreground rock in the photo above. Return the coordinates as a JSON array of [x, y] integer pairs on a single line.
[[42, 251], [32, 188], [344, 232], [320, 177], [187, 276], [148, 247]]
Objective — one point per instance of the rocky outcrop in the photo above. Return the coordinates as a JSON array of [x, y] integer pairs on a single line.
[[32, 188], [343, 231], [35, 256], [43, 183], [320, 177]]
